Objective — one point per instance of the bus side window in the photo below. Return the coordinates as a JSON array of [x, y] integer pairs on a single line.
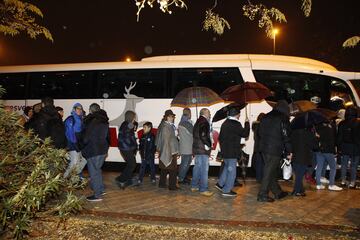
[[61, 85], [150, 83], [14, 84], [217, 79]]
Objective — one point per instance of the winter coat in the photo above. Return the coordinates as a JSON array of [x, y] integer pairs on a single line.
[[167, 145], [185, 130], [95, 138], [126, 137], [347, 139], [73, 131], [147, 146], [274, 134], [303, 143], [201, 137], [327, 140], [48, 123], [231, 132]]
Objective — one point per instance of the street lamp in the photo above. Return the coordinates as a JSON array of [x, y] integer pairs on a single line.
[[274, 31]]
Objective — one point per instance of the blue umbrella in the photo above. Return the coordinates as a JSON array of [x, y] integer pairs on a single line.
[[307, 119]]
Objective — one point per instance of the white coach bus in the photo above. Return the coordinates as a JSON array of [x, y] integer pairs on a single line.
[[148, 86]]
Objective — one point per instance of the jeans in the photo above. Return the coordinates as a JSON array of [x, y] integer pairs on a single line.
[[96, 180], [300, 170], [321, 159], [353, 167], [144, 162], [269, 181], [228, 175], [76, 163], [200, 173], [126, 175], [184, 166]]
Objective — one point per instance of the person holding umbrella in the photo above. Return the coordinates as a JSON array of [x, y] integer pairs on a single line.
[[230, 136], [274, 133]]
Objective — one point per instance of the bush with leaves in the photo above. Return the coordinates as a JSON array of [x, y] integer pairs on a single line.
[[31, 178]]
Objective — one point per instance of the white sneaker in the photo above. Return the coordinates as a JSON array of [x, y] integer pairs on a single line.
[[320, 187], [334, 188], [323, 180]]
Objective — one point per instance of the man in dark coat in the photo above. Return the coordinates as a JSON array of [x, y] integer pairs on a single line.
[[202, 144], [348, 145], [47, 123], [230, 136], [274, 133], [95, 142]]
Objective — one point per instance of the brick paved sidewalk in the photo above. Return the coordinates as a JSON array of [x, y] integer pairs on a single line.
[[319, 209]]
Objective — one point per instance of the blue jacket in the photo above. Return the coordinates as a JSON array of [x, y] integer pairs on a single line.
[[147, 146], [126, 137], [73, 129]]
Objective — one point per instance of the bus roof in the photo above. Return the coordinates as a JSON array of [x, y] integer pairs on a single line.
[[183, 61]]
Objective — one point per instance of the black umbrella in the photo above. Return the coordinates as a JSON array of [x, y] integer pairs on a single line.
[[307, 119], [223, 112]]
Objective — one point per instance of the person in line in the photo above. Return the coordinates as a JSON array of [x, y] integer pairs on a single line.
[[230, 136], [127, 146], [185, 130], [274, 133], [95, 141], [147, 151], [168, 147], [60, 111], [348, 144], [304, 142], [257, 157], [47, 123], [326, 155], [202, 144], [73, 131], [27, 115]]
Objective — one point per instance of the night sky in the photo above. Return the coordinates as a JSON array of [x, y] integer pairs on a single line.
[[101, 31]]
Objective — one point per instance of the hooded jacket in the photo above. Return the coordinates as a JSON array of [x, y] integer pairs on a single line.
[[95, 138], [73, 129], [274, 131]]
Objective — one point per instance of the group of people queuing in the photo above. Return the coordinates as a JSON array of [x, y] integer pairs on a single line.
[[86, 138], [309, 148]]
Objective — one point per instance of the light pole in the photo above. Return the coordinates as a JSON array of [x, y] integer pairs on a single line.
[[274, 31]]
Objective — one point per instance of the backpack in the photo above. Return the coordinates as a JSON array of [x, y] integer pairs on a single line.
[[56, 130]]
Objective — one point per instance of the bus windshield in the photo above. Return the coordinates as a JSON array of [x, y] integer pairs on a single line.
[[356, 84]]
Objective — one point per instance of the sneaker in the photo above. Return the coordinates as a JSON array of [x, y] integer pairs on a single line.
[[229, 194], [207, 193], [323, 180], [334, 188], [153, 181], [103, 193], [343, 184], [320, 187], [194, 189], [94, 199], [218, 187], [265, 199], [281, 195]]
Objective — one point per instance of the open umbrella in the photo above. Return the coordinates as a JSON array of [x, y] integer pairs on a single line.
[[246, 92], [301, 106], [196, 97], [223, 112], [307, 119], [329, 114]]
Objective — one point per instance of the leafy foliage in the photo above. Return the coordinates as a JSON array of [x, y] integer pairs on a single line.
[[306, 7], [164, 5], [31, 177], [215, 22], [351, 42], [18, 16], [265, 15]]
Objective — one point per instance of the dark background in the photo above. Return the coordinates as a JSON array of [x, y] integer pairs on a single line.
[[98, 31]]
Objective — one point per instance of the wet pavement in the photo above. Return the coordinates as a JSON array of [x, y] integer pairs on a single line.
[[319, 210]]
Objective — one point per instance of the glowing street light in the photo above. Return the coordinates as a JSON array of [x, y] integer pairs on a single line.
[[274, 32], [128, 59]]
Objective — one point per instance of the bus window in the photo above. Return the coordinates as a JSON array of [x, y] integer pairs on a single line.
[[217, 79], [294, 86], [14, 84], [61, 85], [150, 83]]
